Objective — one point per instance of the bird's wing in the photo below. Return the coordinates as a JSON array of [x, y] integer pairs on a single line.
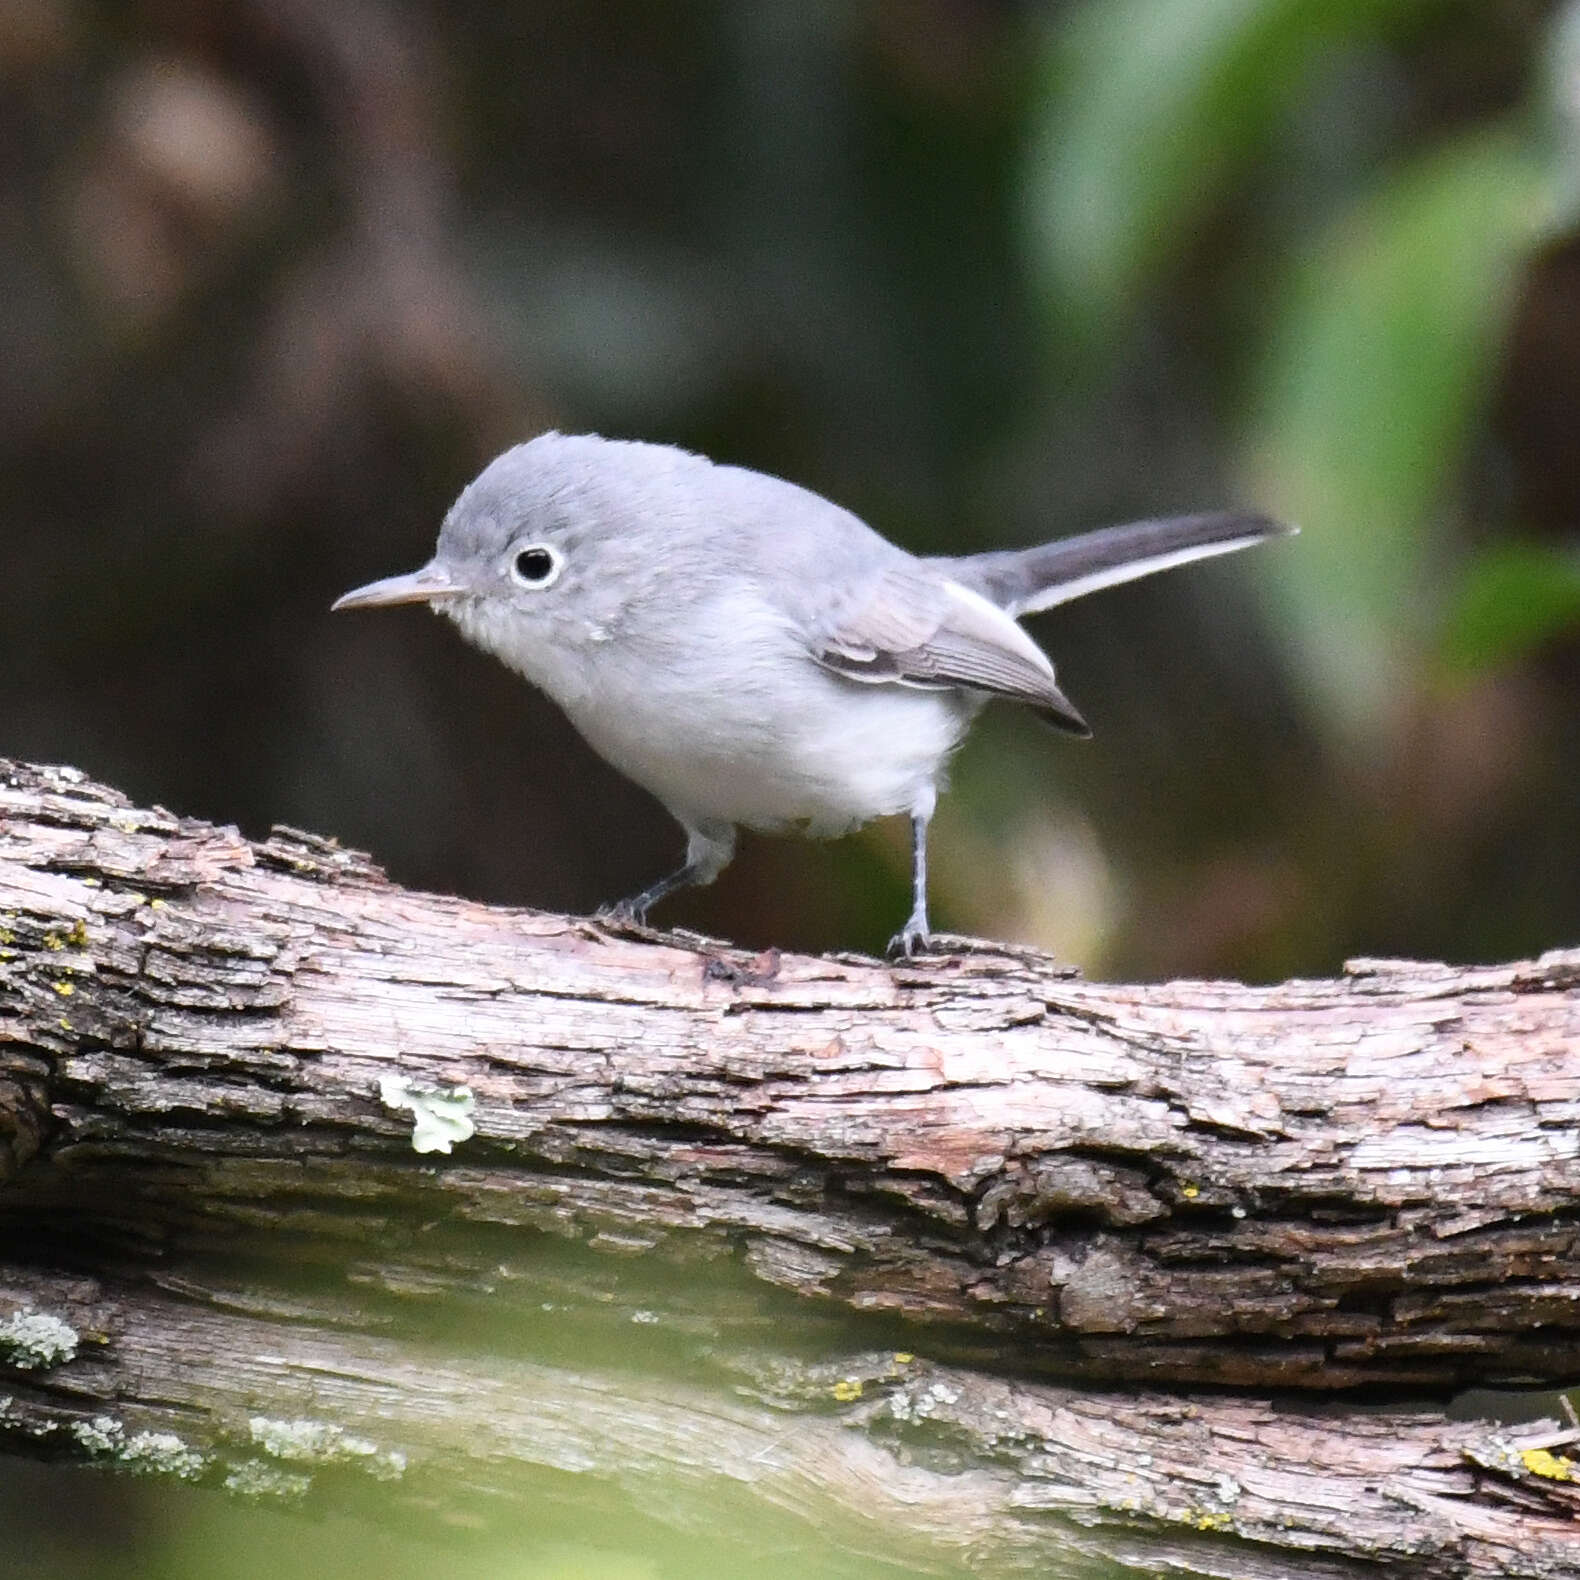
[[913, 628]]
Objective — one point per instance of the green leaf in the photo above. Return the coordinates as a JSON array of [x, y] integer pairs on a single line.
[[1512, 599], [1148, 106], [1557, 103], [1384, 357]]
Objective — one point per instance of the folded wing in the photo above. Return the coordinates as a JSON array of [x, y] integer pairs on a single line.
[[912, 628]]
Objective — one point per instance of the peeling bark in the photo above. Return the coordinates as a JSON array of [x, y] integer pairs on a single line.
[[1323, 1184], [1318, 1185]]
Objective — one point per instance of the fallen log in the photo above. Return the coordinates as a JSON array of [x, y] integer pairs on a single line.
[[881, 1454], [221, 1053]]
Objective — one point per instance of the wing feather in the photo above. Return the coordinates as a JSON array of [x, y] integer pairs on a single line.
[[916, 629]]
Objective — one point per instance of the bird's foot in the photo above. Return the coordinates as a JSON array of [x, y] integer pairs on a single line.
[[623, 913], [627, 919], [911, 942], [913, 939]]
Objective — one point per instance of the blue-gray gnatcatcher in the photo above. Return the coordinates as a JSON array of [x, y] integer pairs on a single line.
[[746, 650]]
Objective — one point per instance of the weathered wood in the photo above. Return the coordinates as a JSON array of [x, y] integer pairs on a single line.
[[1317, 1184], [885, 1455]]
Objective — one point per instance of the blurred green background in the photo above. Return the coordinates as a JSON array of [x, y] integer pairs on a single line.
[[278, 276]]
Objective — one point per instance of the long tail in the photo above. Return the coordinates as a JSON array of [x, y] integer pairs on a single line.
[[1022, 581]]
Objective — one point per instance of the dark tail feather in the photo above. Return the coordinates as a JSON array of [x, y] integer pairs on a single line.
[[1023, 581]]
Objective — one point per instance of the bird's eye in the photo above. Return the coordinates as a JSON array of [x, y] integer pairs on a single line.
[[537, 565]]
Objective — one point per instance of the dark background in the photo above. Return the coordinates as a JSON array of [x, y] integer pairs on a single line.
[[277, 278]]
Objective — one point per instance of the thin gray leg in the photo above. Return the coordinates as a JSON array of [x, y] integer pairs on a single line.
[[708, 853], [915, 937]]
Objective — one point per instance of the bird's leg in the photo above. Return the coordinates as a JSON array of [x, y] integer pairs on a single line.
[[708, 853], [915, 937]]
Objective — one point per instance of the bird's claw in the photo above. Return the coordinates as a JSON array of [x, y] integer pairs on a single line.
[[912, 940], [624, 916]]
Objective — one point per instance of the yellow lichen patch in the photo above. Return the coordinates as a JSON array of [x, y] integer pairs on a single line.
[[54, 941], [1210, 1520], [156, 905], [65, 1025], [1553, 1466], [65, 989], [1190, 1192], [847, 1388], [79, 935], [903, 1357]]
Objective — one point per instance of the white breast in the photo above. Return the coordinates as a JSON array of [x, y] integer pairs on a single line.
[[736, 723]]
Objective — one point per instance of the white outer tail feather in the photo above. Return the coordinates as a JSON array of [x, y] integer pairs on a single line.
[[1116, 575]]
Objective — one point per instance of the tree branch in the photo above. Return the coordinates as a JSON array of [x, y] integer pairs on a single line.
[[931, 1467], [1371, 1180], [1317, 1185]]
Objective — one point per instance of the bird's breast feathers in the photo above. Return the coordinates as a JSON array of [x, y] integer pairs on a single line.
[[722, 712]]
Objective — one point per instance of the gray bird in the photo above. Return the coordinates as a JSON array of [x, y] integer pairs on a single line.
[[748, 651]]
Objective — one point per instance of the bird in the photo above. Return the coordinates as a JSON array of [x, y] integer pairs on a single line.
[[748, 651]]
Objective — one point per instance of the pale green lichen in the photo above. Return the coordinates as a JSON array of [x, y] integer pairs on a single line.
[[323, 1443], [143, 1453], [102, 1435], [916, 1402], [32, 1341], [256, 1478], [442, 1115], [15, 1420], [161, 1454]]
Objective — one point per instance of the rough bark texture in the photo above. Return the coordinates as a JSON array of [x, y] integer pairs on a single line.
[[884, 1454], [1374, 1180]]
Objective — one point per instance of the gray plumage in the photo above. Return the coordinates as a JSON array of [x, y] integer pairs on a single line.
[[746, 650]]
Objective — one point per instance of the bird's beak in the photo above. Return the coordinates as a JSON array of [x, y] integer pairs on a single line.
[[432, 584]]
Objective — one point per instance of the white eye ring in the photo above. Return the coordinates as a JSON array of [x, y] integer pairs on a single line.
[[536, 565]]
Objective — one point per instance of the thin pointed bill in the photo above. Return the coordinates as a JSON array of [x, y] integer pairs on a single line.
[[432, 584]]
